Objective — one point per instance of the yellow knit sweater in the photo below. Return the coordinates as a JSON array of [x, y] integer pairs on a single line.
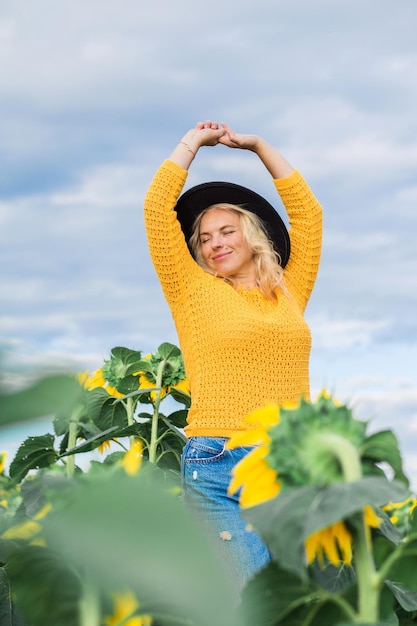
[[241, 351]]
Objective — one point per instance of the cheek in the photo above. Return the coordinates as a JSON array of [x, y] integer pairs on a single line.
[[205, 252]]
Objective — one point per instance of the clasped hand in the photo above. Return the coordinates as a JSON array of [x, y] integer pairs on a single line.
[[210, 133]]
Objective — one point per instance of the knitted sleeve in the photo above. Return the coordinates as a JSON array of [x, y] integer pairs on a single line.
[[169, 252], [305, 217]]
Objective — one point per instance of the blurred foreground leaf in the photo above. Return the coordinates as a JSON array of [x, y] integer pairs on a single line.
[[286, 521], [129, 533], [47, 396], [48, 591]]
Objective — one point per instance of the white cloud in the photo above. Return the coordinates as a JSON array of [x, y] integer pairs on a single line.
[[94, 95], [336, 334]]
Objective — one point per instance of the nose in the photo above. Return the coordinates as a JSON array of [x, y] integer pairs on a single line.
[[216, 241]]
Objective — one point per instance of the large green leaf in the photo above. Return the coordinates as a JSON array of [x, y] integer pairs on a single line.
[[286, 521], [404, 569], [127, 532], [122, 364], [45, 397], [333, 579], [405, 598], [387, 528], [8, 613], [34, 452], [281, 523], [96, 440], [181, 397], [47, 590], [273, 596], [383, 447], [327, 613], [168, 350], [339, 501], [104, 410]]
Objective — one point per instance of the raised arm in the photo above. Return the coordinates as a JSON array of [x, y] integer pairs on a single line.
[[203, 134], [210, 133], [273, 160], [303, 209]]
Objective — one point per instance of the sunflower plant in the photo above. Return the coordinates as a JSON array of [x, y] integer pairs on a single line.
[[104, 408], [315, 490], [44, 581]]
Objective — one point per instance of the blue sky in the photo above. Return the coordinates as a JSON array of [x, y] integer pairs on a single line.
[[94, 95]]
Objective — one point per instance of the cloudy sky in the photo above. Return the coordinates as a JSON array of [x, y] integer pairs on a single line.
[[93, 96]]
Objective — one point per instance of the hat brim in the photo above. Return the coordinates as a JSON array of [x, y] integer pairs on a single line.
[[198, 198]]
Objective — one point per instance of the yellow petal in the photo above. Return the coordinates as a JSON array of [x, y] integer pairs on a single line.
[[132, 460], [266, 416], [43, 512], [328, 542], [371, 518], [95, 380], [344, 541], [324, 393], [334, 542], [82, 377], [313, 547], [258, 482], [144, 382], [124, 605], [3, 457], [245, 468], [183, 386], [112, 391], [258, 491], [251, 437], [25, 530], [105, 445], [328, 396]]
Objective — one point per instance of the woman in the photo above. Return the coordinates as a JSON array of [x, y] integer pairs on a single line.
[[237, 285]]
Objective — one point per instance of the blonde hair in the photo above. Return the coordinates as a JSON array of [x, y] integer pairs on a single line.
[[269, 272]]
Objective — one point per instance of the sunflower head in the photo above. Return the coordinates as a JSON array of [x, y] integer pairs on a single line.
[[118, 370], [300, 449]]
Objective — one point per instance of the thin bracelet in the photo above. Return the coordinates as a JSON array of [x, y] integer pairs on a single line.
[[188, 147]]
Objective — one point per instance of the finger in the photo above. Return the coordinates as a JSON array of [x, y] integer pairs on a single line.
[[230, 132]]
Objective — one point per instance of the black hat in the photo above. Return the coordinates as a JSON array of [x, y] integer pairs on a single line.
[[198, 198]]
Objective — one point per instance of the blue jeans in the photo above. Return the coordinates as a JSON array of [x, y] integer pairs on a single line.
[[206, 474]]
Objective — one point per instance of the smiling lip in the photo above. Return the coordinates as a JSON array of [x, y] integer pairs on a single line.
[[221, 256]]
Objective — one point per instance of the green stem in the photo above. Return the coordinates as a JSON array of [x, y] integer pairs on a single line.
[[72, 439], [368, 587], [368, 584], [130, 411], [317, 602], [346, 453], [155, 416], [89, 605]]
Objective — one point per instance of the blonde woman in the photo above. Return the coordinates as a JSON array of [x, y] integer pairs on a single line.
[[237, 283]]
